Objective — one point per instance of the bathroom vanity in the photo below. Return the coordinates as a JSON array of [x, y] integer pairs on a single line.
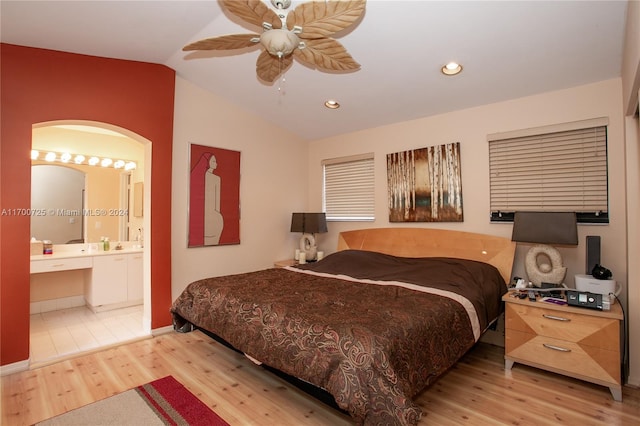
[[108, 279]]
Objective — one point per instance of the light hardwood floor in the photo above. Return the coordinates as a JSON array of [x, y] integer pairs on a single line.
[[477, 391]]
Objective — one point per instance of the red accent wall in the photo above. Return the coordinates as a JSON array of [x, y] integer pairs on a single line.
[[39, 85]]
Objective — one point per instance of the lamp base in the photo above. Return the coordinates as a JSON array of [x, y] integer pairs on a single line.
[[308, 246], [539, 272]]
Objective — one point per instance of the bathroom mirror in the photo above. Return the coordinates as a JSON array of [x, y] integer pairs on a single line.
[[57, 200], [138, 199], [98, 202]]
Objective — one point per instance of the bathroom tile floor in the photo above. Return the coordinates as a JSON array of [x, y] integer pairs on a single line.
[[58, 334]]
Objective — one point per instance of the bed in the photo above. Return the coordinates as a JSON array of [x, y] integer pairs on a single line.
[[372, 324]]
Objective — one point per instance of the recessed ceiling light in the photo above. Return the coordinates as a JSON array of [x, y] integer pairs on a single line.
[[332, 104], [452, 68]]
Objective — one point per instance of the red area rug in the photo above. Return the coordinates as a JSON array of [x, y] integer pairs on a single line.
[[162, 402]]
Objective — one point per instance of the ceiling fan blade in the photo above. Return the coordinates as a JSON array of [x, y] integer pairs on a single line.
[[269, 67], [320, 19], [327, 54], [253, 11], [227, 42]]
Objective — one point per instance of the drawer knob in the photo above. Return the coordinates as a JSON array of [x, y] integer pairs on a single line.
[[555, 318], [556, 348]]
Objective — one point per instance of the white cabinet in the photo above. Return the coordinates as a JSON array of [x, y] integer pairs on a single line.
[[115, 281], [60, 264], [134, 277]]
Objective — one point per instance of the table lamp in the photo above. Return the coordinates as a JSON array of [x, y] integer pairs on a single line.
[[543, 262], [309, 224]]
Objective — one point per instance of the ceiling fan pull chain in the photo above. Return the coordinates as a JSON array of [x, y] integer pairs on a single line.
[[283, 80]]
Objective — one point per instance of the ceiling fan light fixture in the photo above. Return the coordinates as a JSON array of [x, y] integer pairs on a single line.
[[279, 42], [281, 4], [332, 104], [452, 68], [303, 34]]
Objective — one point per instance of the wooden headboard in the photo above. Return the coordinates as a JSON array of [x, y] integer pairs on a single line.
[[427, 242]]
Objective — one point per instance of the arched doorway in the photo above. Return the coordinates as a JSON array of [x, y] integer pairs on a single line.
[[58, 311]]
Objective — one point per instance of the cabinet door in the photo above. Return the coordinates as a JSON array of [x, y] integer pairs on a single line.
[[134, 279], [109, 280]]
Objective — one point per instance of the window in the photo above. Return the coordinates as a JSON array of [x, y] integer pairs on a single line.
[[556, 168], [348, 191]]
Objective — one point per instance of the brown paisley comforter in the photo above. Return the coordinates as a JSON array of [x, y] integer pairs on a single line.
[[371, 329]]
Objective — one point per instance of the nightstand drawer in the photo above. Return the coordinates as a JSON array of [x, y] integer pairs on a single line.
[[586, 330], [581, 361], [578, 342]]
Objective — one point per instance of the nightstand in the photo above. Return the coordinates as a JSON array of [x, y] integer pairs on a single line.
[[284, 263], [577, 342]]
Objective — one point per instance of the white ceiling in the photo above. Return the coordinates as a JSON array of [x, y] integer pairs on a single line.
[[509, 49]]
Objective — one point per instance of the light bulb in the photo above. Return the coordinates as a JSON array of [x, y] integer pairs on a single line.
[[452, 68], [118, 164], [51, 156], [65, 157], [34, 154], [332, 104], [106, 162], [78, 159], [93, 161]]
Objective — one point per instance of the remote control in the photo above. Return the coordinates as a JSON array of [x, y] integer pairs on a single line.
[[532, 295]]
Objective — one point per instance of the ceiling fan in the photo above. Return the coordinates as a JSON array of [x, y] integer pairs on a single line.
[[302, 33]]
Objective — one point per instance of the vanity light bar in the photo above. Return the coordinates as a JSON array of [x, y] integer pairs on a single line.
[[65, 157]]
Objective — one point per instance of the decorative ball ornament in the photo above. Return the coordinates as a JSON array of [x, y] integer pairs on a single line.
[[543, 263]]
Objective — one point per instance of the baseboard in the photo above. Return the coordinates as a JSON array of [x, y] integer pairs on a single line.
[[162, 330], [56, 304], [16, 367]]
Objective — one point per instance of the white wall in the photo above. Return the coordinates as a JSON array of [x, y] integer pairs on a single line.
[[272, 186], [470, 127], [631, 94], [633, 242], [631, 58]]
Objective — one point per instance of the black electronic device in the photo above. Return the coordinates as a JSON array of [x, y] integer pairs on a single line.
[[584, 299], [554, 290], [593, 252], [601, 273]]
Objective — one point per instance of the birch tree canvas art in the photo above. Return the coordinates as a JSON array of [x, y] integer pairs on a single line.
[[425, 185]]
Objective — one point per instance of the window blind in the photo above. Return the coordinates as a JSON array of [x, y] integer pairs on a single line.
[[349, 188], [557, 171]]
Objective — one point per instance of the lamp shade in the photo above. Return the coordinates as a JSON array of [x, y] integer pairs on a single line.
[[308, 223], [545, 228]]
